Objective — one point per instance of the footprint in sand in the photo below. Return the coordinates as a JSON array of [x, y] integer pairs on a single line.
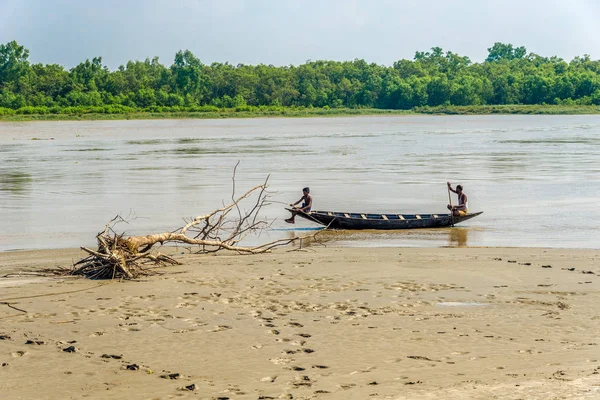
[[36, 342], [186, 305], [130, 329], [175, 375], [221, 328], [422, 358], [364, 370], [112, 356], [281, 360], [346, 387], [18, 353], [302, 380]]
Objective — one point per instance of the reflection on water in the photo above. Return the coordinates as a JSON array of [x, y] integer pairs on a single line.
[[15, 182], [451, 237], [458, 237], [59, 193], [307, 239]]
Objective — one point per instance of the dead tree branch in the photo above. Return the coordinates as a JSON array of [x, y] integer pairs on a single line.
[[120, 256]]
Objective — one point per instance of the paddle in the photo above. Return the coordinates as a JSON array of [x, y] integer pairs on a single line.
[[450, 200]]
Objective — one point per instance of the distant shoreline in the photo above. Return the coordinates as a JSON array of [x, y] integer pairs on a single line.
[[93, 114]]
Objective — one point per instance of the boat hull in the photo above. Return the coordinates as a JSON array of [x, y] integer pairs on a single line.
[[340, 220]]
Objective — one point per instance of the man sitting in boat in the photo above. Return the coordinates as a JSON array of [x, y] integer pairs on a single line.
[[462, 208], [306, 201]]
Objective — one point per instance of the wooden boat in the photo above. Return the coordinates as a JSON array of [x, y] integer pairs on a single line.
[[341, 220]]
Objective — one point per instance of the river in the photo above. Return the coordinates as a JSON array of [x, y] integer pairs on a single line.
[[537, 178]]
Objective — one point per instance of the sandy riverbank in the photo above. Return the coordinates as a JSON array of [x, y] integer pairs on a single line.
[[329, 323]]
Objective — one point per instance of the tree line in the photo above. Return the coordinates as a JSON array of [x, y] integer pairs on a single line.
[[509, 75]]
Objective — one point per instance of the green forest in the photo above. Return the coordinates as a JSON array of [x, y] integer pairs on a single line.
[[431, 81]]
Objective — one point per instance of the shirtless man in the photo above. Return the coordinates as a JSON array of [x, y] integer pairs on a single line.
[[306, 200], [462, 208]]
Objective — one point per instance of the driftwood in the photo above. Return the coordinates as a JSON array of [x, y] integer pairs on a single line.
[[120, 256]]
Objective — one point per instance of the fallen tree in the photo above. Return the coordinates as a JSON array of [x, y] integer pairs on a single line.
[[120, 256]]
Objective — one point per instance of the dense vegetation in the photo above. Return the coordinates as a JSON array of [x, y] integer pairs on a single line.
[[431, 81]]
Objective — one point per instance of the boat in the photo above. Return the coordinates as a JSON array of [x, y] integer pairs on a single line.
[[343, 220]]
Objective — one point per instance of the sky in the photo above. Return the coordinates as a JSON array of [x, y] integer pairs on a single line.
[[291, 32]]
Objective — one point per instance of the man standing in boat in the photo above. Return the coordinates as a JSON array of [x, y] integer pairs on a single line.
[[306, 201], [462, 208]]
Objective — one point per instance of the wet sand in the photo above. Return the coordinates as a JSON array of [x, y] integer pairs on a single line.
[[472, 323]]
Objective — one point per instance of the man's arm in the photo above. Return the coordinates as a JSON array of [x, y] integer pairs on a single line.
[[301, 198], [450, 187]]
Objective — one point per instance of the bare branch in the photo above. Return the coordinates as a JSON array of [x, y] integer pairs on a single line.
[[120, 256]]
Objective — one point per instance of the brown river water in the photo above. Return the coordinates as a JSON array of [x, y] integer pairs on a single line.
[[537, 178]]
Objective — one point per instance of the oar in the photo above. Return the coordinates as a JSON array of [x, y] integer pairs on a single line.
[[451, 212]]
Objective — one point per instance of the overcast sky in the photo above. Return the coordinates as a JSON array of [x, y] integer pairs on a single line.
[[283, 32]]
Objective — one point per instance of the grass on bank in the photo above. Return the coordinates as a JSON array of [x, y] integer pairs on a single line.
[[113, 112], [204, 112], [510, 109]]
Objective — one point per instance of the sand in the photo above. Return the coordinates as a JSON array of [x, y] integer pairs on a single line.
[[330, 323]]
